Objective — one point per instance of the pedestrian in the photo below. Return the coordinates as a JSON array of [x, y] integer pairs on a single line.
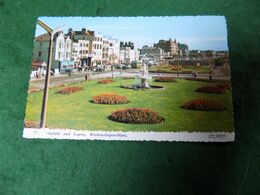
[[210, 76]]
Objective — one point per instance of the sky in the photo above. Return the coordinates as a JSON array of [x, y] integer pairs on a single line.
[[198, 32]]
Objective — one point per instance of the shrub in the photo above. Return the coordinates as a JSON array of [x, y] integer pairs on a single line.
[[69, 90], [204, 105], [31, 124], [224, 86], [136, 116], [211, 89], [109, 99], [165, 79], [105, 81]]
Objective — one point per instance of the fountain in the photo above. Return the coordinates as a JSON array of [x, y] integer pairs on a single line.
[[143, 77], [144, 74]]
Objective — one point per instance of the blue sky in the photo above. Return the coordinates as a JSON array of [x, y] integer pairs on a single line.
[[199, 32]]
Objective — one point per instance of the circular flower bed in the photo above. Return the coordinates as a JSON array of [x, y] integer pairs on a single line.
[[211, 89], [31, 124], [224, 86], [69, 90], [33, 90], [204, 105], [165, 79], [136, 116], [109, 99], [105, 81]]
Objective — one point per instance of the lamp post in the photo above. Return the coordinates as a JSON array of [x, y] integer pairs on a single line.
[[178, 64], [47, 76], [112, 66]]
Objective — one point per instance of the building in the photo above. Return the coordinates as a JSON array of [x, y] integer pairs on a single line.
[[170, 48], [128, 53], [41, 50], [63, 52], [114, 51], [183, 50], [82, 50], [105, 51], [151, 52], [97, 49]]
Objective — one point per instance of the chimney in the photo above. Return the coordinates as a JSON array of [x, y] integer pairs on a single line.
[[83, 30]]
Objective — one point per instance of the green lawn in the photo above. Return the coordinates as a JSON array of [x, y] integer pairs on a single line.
[[75, 111]]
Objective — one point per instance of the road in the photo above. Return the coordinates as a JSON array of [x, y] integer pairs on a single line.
[[38, 84]]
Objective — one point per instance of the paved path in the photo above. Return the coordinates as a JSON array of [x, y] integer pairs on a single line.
[[37, 84]]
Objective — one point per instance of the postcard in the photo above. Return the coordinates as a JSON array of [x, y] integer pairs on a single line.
[[130, 79]]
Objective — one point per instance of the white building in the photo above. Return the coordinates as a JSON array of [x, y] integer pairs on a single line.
[[63, 52], [114, 51], [128, 53], [97, 49], [63, 48], [105, 51]]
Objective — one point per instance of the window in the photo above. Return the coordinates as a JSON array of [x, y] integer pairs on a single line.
[[40, 54], [58, 54], [60, 45]]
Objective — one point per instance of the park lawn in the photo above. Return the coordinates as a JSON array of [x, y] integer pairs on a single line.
[[75, 111]]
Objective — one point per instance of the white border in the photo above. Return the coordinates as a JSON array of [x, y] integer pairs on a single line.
[[47, 133]]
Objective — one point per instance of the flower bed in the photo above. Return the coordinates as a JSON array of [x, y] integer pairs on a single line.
[[175, 67], [33, 90], [165, 79], [196, 79], [136, 116], [31, 124], [224, 86], [109, 99], [69, 90], [211, 89], [105, 81], [204, 105]]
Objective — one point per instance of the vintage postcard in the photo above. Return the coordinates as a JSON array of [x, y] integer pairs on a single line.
[[130, 78]]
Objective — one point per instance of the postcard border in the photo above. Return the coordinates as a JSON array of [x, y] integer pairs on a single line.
[[71, 134]]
